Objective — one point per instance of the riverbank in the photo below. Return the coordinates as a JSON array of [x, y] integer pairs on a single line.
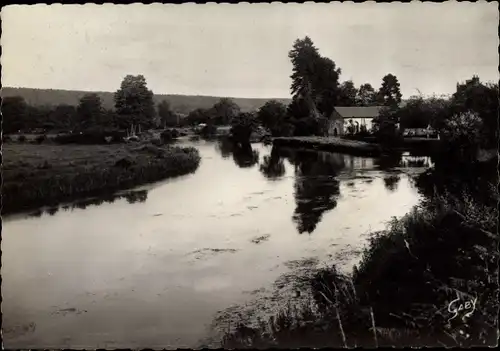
[[47, 174], [409, 285], [330, 144]]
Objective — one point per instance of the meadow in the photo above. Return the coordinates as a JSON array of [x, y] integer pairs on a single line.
[[36, 175]]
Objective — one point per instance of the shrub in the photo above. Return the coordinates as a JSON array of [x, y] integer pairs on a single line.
[[21, 138], [41, 138], [168, 135]]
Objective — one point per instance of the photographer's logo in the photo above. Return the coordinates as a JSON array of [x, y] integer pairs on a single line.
[[465, 306]]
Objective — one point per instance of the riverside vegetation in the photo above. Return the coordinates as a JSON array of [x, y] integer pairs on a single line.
[[402, 292], [429, 279], [47, 174]]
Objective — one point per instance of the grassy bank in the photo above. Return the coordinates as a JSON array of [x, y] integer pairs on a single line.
[[411, 280], [330, 144], [47, 174]]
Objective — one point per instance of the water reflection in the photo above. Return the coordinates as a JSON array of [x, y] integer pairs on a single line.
[[225, 147], [273, 165], [316, 189], [386, 162], [391, 182], [131, 197], [243, 156]]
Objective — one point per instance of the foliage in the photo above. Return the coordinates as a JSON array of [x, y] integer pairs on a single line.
[[385, 127], [462, 134], [420, 113], [198, 116], [89, 111], [347, 94], [224, 111], [272, 116], [389, 93], [473, 95], [169, 135], [314, 78], [14, 113], [399, 295], [134, 103], [242, 127], [366, 95], [167, 117]]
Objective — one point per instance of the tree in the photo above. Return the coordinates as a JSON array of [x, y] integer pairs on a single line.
[[272, 116], [299, 117], [347, 94], [14, 114], [473, 95], [64, 116], [198, 116], [366, 95], [167, 117], [314, 78], [389, 93], [462, 134], [89, 111], [134, 102], [385, 126], [326, 86], [224, 111], [242, 127], [420, 113]]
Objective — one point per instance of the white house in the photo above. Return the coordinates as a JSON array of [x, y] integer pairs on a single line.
[[361, 116]]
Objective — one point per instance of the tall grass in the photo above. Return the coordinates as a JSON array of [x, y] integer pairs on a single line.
[[443, 250]]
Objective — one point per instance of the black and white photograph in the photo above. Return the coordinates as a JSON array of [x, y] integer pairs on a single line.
[[249, 175]]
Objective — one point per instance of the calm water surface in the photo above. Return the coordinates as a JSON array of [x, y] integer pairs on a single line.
[[155, 267]]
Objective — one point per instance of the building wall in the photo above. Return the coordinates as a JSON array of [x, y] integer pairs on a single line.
[[335, 122], [368, 121]]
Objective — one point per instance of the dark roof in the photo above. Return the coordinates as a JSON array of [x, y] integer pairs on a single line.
[[358, 111]]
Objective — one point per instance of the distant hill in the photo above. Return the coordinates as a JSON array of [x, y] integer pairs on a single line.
[[179, 103]]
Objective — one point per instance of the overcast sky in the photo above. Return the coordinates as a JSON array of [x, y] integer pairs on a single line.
[[242, 50]]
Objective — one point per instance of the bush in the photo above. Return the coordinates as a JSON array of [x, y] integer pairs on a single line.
[[22, 138], [167, 136], [41, 138]]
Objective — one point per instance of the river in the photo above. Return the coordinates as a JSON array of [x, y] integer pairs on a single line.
[[153, 268]]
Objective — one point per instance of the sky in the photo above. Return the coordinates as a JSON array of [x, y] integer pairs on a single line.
[[241, 50]]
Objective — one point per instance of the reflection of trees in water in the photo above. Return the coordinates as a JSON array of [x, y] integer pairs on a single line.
[[245, 156], [225, 147], [391, 182], [316, 189], [386, 162], [52, 211], [131, 197], [136, 196], [273, 165]]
